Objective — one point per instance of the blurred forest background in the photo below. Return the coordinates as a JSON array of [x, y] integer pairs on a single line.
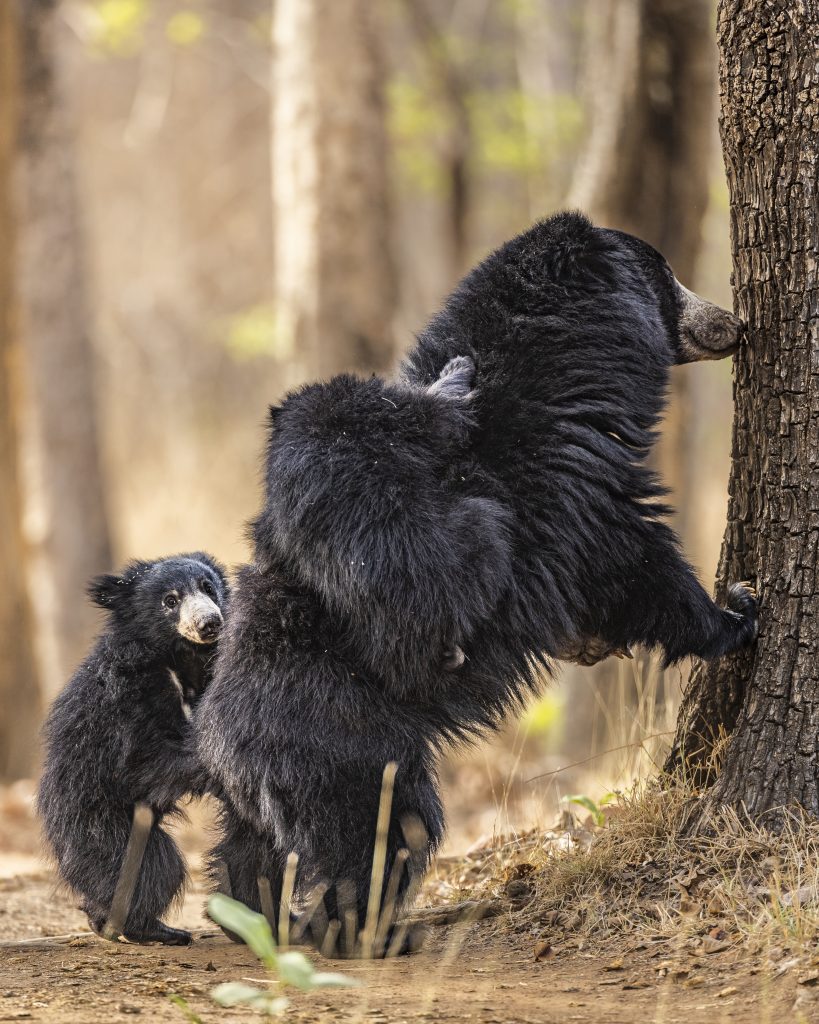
[[204, 203]]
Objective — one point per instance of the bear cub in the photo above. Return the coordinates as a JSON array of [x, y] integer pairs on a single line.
[[119, 734]]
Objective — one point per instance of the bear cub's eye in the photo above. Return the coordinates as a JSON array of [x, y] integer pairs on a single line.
[[207, 587], [170, 601]]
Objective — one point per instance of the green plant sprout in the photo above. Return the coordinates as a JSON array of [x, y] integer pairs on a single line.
[[594, 809], [178, 1001], [288, 968]]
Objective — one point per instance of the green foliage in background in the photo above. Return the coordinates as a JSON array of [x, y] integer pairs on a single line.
[[544, 718], [116, 28], [185, 28], [520, 133], [418, 127], [258, 332], [511, 131]]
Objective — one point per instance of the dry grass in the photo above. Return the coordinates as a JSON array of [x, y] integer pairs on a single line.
[[642, 874]]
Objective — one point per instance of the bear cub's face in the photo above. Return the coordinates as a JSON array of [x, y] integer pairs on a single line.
[[168, 601], [190, 606]]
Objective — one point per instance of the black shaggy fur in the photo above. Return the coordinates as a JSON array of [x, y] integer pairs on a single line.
[[119, 734], [494, 500], [573, 330]]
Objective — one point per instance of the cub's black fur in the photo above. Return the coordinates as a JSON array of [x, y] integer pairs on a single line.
[[119, 734], [495, 502]]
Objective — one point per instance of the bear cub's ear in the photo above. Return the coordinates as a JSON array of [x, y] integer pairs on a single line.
[[455, 380], [106, 590]]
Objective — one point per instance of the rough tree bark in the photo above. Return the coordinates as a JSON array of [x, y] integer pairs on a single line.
[[646, 166], [64, 516], [333, 276], [19, 693], [767, 698]]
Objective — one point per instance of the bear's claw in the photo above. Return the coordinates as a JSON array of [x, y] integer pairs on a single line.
[[592, 650], [742, 602]]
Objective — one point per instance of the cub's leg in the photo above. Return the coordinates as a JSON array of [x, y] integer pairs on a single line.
[[455, 380], [159, 882]]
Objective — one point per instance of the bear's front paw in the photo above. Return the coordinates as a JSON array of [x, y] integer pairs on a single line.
[[742, 602]]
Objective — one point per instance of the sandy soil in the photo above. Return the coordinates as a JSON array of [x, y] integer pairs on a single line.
[[506, 970], [484, 972]]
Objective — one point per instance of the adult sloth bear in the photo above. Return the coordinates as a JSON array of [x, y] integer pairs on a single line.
[[509, 517]]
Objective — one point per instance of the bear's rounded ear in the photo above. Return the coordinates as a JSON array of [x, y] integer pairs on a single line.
[[455, 380], [106, 590]]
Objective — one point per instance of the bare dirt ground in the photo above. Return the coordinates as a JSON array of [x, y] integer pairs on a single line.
[[486, 974], [511, 969]]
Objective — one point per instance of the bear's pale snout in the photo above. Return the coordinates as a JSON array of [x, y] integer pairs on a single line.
[[706, 331], [200, 619]]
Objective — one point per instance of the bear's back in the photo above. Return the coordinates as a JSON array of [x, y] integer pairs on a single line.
[[571, 367]]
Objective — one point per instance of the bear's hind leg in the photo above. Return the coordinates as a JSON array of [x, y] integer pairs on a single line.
[[240, 864], [336, 926], [343, 858]]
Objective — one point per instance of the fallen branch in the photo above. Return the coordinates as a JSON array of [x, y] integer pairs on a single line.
[[473, 910]]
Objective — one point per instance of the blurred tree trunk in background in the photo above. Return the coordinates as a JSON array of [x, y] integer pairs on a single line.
[[645, 170], [334, 285], [767, 698], [19, 692], [64, 511], [452, 91], [646, 166]]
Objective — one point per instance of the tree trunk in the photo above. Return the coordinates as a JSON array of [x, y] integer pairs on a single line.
[[64, 515], [768, 698], [334, 286], [19, 692], [646, 166], [645, 170], [452, 95], [655, 179]]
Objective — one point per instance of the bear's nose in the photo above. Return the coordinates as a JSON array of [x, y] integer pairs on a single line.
[[209, 626], [706, 331]]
